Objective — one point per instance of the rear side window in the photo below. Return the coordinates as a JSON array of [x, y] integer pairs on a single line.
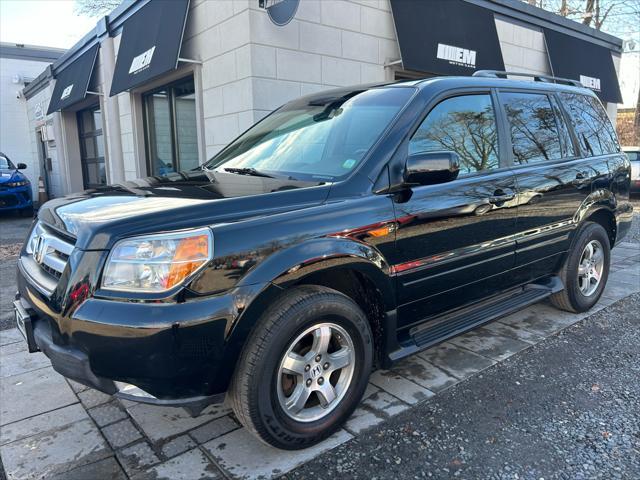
[[591, 124], [465, 125], [534, 127]]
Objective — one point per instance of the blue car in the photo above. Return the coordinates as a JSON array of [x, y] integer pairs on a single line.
[[15, 188]]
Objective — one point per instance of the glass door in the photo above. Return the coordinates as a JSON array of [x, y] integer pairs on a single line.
[[92, 147]]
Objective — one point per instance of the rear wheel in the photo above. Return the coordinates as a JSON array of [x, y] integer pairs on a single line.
[[585, 271], [304, 368]]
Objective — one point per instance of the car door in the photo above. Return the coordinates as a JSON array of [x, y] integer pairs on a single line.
[[553, 180], [455, 240]]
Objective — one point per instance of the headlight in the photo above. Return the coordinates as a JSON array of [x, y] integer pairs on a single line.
[[156, 263], [21, 183]]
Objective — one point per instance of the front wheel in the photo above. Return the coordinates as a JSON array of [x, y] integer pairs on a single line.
[[585, 271], [304, 368]]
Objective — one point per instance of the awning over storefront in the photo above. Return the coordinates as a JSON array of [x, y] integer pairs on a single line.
[[72, 82], [447, 37], [150, 44], [590, 64]]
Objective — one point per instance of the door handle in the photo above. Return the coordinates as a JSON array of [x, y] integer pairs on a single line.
[[501, 196]]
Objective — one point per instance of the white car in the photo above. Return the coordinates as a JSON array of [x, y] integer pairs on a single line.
[[634, 157]]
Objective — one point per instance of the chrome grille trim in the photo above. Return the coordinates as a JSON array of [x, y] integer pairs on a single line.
[[49, 251]]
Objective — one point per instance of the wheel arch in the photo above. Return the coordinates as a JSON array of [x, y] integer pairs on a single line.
[[604, 217], [356, 269]]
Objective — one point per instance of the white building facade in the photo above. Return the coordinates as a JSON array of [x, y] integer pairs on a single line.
[[236, 64], [20, 65]]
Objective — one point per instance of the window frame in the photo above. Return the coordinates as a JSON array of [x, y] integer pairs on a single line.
[[149, 135], [462, 92]]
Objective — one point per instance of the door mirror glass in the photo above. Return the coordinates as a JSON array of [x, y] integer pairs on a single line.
[[432, 167], [21, 166]]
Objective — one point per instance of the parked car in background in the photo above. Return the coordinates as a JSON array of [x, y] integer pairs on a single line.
[[15, 188], [633, 153], [343, 232]]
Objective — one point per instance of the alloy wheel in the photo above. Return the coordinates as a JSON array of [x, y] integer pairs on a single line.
[[590, 268], [315, 372]]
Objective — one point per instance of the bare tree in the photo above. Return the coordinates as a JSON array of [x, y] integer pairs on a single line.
[[618, 17], [96, 8]]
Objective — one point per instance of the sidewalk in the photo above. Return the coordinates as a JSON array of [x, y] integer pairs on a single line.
[[54, 428]]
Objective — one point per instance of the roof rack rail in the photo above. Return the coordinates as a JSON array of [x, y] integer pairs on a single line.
[[536, 77]]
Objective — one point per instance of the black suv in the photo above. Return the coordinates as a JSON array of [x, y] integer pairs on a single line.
[[346, 230]]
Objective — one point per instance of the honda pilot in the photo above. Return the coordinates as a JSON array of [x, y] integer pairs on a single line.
[[343, 232]]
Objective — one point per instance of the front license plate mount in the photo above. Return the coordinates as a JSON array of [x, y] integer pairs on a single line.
[[24, 322]]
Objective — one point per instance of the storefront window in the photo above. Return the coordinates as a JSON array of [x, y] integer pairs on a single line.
[[170, 128], [92, 147]]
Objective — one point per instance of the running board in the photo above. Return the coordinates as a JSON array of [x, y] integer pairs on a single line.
[[467, 318]]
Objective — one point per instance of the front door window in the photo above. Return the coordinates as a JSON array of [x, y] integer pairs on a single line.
[[170, 127]]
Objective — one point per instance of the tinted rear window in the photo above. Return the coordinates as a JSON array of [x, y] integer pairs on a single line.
[[591, 124], [534, 127]]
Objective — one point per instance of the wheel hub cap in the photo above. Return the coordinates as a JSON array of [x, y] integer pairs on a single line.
[[315, 372], [590, 268]]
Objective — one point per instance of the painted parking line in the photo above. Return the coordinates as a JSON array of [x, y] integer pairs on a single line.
[[44, 412]]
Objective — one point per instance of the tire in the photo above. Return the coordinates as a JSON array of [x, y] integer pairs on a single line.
[[573, 298], [258, 390]]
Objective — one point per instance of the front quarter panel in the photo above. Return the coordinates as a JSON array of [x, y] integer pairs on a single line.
[[358, 232]]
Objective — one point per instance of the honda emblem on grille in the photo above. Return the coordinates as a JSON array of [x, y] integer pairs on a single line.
[[39, 249]]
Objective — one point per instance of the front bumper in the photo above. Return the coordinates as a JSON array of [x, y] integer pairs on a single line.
[[15, 198], [159, 353]]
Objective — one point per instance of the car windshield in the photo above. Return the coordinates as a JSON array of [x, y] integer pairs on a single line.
[[322, 139], [633, 156], [5, 163]]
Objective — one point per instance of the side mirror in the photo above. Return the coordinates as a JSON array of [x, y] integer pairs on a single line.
[[431, 168], [21, 166]]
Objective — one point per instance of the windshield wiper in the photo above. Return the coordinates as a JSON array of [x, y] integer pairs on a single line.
[[248, 171]]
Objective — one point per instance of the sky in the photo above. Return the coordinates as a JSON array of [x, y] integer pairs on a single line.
[[49, 23]]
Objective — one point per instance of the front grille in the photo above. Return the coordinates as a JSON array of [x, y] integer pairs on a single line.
[[8, 201], [49, 250]]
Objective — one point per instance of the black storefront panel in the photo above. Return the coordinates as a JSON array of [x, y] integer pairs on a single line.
[[72, 82], [446, 37], [590, 64], [150, 44]]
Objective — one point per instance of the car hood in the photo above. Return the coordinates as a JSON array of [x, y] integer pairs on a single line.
[[7, 175], [99, 217]]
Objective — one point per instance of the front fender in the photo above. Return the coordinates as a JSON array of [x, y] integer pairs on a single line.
[[289, 266], [270, 278]]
